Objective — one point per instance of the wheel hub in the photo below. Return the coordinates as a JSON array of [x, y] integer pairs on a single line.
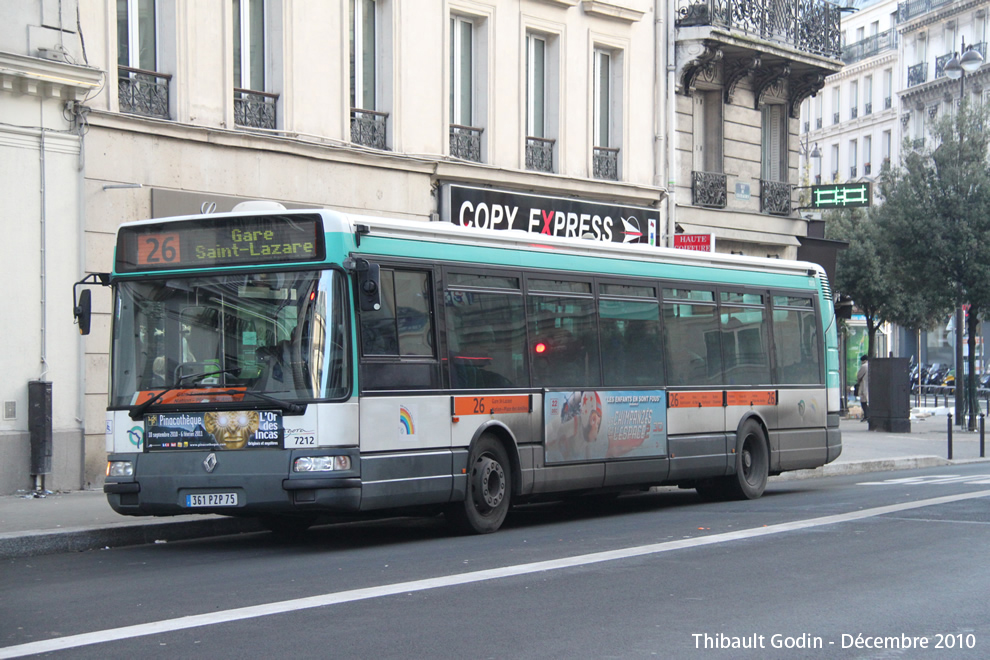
[[490, 483]]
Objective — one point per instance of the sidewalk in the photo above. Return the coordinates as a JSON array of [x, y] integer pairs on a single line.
[[82, 520]]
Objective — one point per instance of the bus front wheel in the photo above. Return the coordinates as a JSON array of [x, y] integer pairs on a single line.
[[489, 489]]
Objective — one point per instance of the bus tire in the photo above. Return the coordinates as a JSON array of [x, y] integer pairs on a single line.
[[752, 462], [489, 489]]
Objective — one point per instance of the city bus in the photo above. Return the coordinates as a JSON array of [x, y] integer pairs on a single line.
[[304, 364]]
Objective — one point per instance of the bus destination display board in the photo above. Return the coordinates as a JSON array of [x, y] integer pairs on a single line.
[[218, 242]]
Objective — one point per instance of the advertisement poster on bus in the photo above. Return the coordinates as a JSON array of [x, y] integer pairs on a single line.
[[226, 429], [593, 425]]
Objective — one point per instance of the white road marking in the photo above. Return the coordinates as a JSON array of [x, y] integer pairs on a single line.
[[931, 480], [323, 600]]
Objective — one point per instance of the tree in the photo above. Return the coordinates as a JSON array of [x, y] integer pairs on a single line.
[[936, 221]]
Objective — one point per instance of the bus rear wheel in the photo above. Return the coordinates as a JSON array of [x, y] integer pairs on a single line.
[[489, 489], [752, 462], [752, 458]]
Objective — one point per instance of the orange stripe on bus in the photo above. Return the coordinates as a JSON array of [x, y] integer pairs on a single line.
[[694, 399], [760, 398]]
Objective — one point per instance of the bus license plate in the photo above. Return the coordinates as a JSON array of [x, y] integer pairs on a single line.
[[211, 499]]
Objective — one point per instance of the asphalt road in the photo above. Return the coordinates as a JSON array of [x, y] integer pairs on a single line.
[[840, 565]]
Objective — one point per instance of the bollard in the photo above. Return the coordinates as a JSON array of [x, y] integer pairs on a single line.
[[950, 436], [983, 419]]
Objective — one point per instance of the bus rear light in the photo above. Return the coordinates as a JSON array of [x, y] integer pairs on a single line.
[[120, 469], [321, 463]]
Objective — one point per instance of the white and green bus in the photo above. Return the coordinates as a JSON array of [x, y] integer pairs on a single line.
[[289, 365]]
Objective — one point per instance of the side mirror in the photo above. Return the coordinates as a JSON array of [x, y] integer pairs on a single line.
[[369, 285], [83, 311]]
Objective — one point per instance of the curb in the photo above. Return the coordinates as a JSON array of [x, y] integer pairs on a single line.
[[31, 544], [864, 467]]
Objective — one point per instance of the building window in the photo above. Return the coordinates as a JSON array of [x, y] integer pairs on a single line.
[[835, 163], [141, 90], [885, 138], [835, 105], [853, 159], [775, 191], [888, 88], [607, 114], [368, 123], [465, 131], [853, 99], [254, 107], [868, 95], [540, 103], [774, 157]]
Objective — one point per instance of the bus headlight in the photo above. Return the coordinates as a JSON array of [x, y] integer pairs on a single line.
[[120, 469], [321, 463]]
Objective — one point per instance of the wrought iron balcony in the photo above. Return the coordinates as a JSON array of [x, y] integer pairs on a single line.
[[918, 143], [853, 112], [818, 179], [873, 45], [708, 189], [818, 123], [917, 74], [867, 109], [807, 127], [254, 109], [852, 172], [775, 197], [912, 8], [605, 163], [940, 63], [368, 128], [539, 154], [835, 117], [465, 142], [866, 169], [141, 92], [888, 102], [810, 26]]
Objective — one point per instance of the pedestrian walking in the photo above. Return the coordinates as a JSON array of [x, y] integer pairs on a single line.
[[863, 385]]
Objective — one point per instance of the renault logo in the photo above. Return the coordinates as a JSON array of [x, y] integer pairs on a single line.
[[210, 463]]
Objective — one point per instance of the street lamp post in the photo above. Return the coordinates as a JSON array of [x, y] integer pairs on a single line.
[[957, 68]]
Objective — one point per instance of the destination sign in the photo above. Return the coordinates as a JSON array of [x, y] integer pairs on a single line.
[[218, 242]]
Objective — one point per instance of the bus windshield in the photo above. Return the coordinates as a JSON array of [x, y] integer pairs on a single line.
[[280, 334]]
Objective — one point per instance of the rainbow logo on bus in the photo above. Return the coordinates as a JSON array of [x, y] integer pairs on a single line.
[[406, 426]]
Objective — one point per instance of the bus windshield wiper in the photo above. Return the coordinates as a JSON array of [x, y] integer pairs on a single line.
[[284, 406], [138, 410]]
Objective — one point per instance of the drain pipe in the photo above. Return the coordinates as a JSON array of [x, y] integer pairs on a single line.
[[671, 123]]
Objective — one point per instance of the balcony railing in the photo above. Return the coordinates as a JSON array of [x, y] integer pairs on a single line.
[[940, 63], [918, 143], [917, 74], [867, 109], [368, 128], [465, 142], [254, 109], [912, 8], [867, 168], [818, 179], [605, 163], [539, 154], [870, 46], [811, 26], [888, 102], [835, 117], [818, 123], [853, 172], [807, 127], [708, 189], [141, 92], [853, 112], [775, 197]]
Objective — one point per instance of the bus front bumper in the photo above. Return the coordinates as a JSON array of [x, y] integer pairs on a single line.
[[242, 483]]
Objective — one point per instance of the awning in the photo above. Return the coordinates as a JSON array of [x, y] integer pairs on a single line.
[[740, 235]]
